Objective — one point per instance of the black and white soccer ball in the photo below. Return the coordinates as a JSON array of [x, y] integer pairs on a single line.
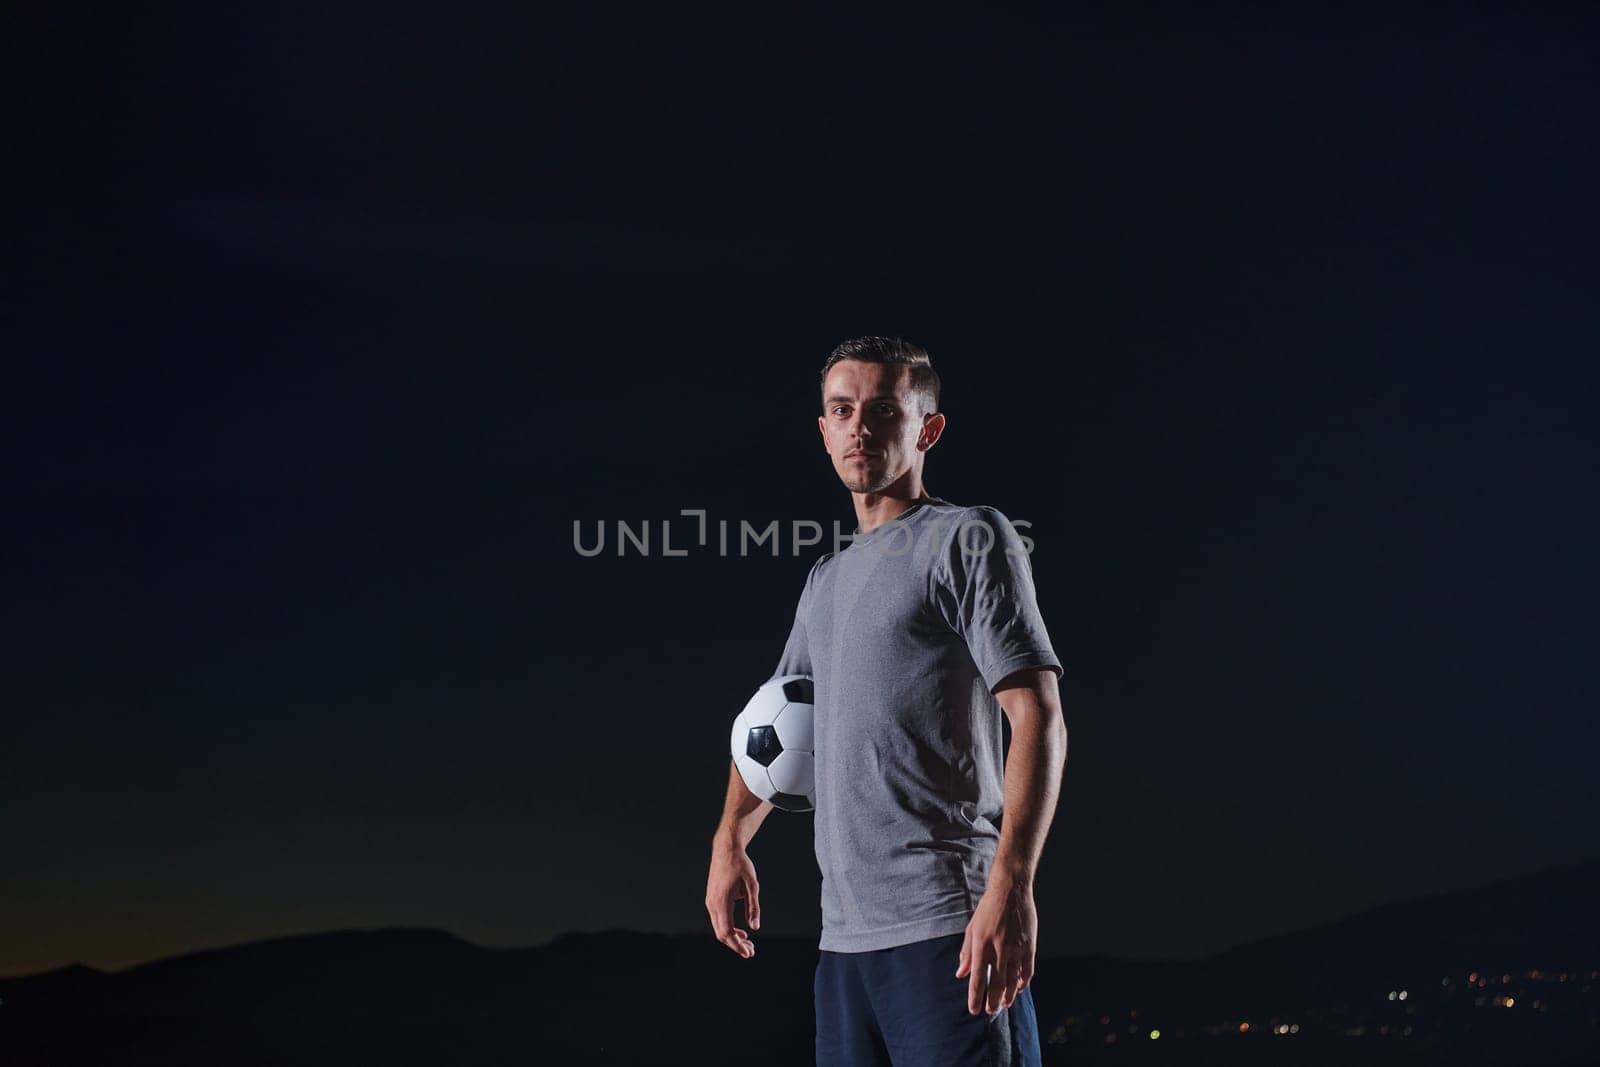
[[772, 743]]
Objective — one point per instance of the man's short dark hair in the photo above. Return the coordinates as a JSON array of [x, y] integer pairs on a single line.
[[899, 352]]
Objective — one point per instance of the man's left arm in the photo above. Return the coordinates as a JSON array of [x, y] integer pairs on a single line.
[[1003, 931]]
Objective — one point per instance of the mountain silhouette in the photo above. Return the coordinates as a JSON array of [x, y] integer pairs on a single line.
[[404, 996]]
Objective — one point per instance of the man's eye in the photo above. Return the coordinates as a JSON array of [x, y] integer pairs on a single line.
[[885, 409], [838, 411]]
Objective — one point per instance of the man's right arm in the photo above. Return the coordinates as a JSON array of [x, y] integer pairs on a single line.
[[733, 875], [742, 812]]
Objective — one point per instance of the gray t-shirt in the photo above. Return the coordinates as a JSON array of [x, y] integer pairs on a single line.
[[906, 631]]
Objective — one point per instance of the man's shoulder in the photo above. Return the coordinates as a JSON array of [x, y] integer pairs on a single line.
[[819, 564], [948, 514], [977, 529], [944, 507], [985, 510]]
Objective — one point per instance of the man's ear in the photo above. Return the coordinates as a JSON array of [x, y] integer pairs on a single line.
[[932, 430], [822, 426]]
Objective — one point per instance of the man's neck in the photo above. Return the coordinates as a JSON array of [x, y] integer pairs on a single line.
[[875, 509]]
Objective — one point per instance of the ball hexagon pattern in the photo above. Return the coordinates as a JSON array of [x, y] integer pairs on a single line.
[[772, 743]]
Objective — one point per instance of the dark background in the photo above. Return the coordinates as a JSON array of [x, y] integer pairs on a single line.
[[324, 326]]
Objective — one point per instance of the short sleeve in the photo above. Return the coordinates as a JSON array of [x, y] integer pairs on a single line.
[[983, 587], [796, 658]]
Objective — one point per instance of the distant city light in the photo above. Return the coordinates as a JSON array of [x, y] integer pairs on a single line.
[[1073, 1030]]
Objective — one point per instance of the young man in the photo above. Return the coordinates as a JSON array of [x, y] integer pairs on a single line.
[[918, 635]]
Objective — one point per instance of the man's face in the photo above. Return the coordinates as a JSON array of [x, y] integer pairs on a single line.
[[872, 424]]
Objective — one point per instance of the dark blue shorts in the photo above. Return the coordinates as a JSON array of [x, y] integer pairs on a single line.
[[904, 1007]]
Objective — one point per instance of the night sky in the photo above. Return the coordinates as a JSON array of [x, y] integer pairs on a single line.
[[322, 328]]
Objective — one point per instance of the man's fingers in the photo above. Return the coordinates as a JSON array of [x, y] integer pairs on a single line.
[[1025, 972], [978, 985], [727, 933], [1002, 982], [996, 979], [721, 911], [1008, 988], [721, 917], [752, 901], [737, 940]]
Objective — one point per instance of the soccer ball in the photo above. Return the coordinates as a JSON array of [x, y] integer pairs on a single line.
[[772, 743]]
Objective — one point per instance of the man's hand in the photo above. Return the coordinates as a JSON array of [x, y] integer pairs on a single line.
[[1002, 934], [733, 877]]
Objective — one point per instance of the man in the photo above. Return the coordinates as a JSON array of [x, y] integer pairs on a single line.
[[919, 634]]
